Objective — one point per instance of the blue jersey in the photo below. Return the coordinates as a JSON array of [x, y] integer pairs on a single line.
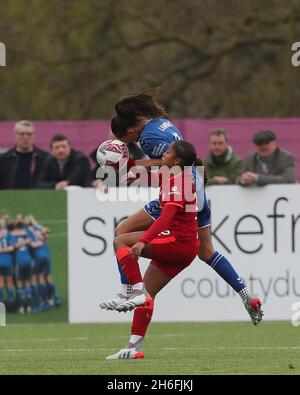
[[39, 253], [22, 254], [6, 258], [155, 139], [44, 249]]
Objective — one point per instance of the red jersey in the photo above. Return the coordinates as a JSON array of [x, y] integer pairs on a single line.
[[181, 192], [177, 191]]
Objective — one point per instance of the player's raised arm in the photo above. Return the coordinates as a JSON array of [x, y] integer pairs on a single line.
[[148, 162]]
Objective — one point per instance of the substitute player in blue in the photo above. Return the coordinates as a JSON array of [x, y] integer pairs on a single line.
[[6, 264], [23, 265], [141, 119], [44, 260]]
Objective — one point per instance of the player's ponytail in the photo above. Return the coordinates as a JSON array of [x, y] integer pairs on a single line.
[[199, 163], [140, 105]]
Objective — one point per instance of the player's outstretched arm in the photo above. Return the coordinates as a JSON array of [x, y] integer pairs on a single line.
[[148, 162], [167, 214]]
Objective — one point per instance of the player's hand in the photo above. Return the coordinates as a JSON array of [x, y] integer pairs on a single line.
[[61, 185], [100, 185], [248, 178], [128, 178], [221, 179], [136, 250]]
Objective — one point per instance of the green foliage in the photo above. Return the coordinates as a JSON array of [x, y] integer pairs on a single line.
[[72, 59]]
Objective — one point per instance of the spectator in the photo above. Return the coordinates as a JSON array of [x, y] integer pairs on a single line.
[[222, 166], [21, 165], [269, 165], [65, 166]]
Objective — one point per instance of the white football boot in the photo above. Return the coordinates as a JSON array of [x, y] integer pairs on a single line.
[[126, 353], [121, 297], [253, 306], [132, 351], [138, 298]]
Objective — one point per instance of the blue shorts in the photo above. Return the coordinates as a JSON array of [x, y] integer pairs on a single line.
[[6, 271], [153, 208], [23, 272], [41, 266]]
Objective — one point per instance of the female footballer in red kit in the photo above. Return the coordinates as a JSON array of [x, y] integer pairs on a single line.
[[171, 243]]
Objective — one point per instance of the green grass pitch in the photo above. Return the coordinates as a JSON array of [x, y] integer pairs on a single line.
[[182, 348], [45, 344]]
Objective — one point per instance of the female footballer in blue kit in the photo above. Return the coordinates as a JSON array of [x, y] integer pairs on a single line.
[[6, 263], [23, 263], [139, 118]]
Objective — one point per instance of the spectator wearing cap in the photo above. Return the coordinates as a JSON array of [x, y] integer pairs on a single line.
[[222, 165], [65, 167], [20, 166], [269, 164]]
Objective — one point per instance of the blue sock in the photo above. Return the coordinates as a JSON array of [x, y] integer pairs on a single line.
[[51, 290], [223, 267], [123, 278], [20, 297], [1, 295], [35, 294], [10, 294], [43, 292], [28, 294]]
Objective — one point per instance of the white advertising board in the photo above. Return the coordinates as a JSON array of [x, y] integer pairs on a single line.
[[257, 229]]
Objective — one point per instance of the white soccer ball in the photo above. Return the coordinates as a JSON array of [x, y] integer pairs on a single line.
[[112, 153]]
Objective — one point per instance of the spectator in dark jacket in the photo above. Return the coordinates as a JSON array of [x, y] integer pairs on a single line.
[[20, 166], [65, 166], [269, 165]]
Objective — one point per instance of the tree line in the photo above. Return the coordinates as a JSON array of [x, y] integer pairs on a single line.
[[73, 59]]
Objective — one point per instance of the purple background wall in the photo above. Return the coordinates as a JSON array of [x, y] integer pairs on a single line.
[[87, 135]]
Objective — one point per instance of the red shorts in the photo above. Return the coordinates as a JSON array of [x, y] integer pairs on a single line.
[[171, 256]]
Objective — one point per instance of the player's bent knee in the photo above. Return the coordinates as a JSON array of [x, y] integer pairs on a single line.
[[119, 230], [119, 242], [10, 282], [205, 253]]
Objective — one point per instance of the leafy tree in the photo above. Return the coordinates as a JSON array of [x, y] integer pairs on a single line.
[[72, 59]]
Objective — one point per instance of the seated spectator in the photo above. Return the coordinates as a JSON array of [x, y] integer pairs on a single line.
[[65, 166], [269, 165], [20, 166], [222, 166]]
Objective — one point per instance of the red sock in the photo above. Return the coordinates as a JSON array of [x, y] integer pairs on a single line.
[[141, 319], [130, 266]]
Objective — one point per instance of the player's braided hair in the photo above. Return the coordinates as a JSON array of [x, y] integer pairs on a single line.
[[132, 108], [188, 154]]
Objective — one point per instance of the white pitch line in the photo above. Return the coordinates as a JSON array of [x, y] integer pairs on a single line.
[[287, 348], [233, 348], [57, 350], [53, 221], [54, 339], [58, 235]]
